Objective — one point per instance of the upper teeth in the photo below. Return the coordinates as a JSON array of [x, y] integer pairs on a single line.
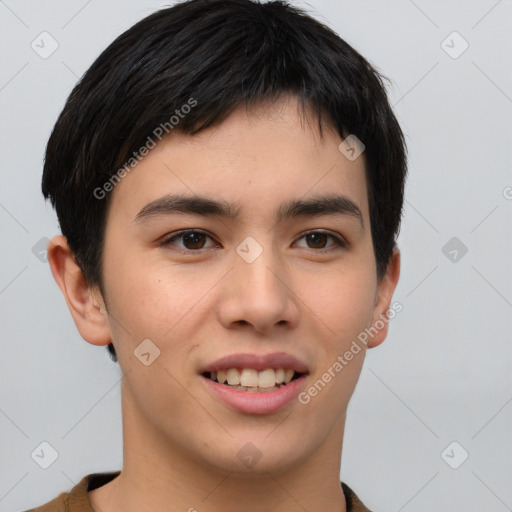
[[253, 378]]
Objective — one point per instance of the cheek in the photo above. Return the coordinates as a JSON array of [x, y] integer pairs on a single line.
[[341, 302], [343, 308], [150, 305], [160, 301], [144, 300]]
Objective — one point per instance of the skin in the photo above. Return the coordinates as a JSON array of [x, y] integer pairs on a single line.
[[180, 441]]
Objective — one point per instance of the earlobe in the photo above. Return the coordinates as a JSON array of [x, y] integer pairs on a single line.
[[84, 302], [385, 290]]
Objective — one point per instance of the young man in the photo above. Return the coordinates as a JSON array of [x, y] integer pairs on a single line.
[[228, 178]]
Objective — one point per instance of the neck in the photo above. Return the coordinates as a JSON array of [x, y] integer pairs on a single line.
[[157, 475]]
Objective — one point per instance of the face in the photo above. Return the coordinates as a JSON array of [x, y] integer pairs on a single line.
[[240, 295]]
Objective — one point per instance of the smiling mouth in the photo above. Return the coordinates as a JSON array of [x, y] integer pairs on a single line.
[[253, 381]]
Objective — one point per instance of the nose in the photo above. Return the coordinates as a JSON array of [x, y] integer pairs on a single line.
[[258, 293]]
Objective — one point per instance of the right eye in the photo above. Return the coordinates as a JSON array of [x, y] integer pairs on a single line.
[[192, 239]]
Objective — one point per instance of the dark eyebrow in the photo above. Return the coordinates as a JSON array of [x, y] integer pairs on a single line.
[[320, 205], [312, 207]]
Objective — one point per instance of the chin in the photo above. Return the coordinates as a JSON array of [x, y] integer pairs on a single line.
[[257, 455]]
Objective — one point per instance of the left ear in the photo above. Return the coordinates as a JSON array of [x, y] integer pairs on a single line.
[[385, 289]]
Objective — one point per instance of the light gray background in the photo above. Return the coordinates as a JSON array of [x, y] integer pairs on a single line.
[[443, 374]]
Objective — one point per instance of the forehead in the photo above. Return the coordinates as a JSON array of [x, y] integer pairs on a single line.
[[256, 160]]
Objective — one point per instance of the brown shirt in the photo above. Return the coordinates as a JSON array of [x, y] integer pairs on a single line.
[[77, 499]]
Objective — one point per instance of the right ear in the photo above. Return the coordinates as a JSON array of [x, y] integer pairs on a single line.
[[84, 302]]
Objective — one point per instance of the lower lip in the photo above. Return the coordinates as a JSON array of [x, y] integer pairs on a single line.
[[256, 403]]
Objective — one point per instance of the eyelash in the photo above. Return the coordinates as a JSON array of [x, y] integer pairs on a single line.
[[339, 242]]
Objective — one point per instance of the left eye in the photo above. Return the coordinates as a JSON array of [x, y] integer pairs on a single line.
[[193, 240], [319, 237]]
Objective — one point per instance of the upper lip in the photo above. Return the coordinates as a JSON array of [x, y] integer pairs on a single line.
[[257, 362]]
